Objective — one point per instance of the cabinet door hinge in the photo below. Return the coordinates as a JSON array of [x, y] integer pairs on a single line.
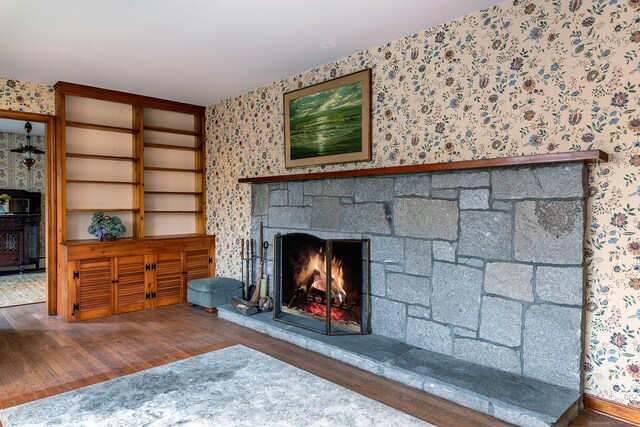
[[153, 266], [210, 260], [76, 307], [147, 267], [153, 295], [76, 274], [148, 296]]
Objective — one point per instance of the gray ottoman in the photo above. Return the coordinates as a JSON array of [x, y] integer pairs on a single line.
[[212, 292]]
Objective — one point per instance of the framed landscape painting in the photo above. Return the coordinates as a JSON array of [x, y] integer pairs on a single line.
[[329, 122]]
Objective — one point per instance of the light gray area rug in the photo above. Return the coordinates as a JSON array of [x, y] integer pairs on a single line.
[[235, 386]]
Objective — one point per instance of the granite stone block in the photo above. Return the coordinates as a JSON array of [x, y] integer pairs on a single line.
[[502, 206], [289, 217], [259, 199], [485, 235], [501, 321], [429, 335], [325, 213], [278, 198], [445, 194], [366, 218], [564, 181], [549, 232], [553, 344], [561, 285], [313, 188], [373, 190], [444, 251], [388, 318], [386, 249], [456, 291], [431, 219], [412, 185], [409, 289], [460, 180], [417, 257], [474, 199], [473, 262], [462, 332], [377, 279], [487, 354], [419, 311], [342, 187], [296, 194], [510, 280]]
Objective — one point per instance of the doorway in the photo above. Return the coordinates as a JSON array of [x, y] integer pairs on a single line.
[[28, 224]]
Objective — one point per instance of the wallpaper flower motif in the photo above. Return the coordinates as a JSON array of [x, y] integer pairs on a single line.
[[30, 97], [525, 77]]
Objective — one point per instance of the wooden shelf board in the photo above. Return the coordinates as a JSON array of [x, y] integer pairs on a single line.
[[101, 157], [84, 181], [169, 147], [193, 193], [157, 212], [171, 130], [103, 210], [158, 169], [93, 126], [590, 156]]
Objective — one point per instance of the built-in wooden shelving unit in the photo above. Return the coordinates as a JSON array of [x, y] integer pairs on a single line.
[[587, 156], [114, 147]]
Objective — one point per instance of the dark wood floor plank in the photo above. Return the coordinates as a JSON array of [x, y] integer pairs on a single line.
[[43, 356]]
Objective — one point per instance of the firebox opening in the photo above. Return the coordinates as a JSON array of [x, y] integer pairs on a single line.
[[322, 284]]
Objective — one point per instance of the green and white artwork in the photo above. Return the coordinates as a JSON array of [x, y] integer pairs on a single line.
[[327, 123]]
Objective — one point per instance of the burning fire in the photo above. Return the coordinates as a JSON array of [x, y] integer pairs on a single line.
[[315, 269]]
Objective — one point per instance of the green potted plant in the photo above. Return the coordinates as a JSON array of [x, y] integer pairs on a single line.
[[4, 201], [106, 228]]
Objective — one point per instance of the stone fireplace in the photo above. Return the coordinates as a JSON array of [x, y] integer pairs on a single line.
[[485, 266]]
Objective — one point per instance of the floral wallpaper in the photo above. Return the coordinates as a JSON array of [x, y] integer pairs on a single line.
[[14, 174], [525, 77], [24, 96]]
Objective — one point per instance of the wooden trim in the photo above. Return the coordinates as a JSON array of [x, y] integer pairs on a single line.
[[127, 98], [614, 409], [89, 249], [85, 181], [102, 210], [169, 147], [157, 212], [158, 169], [186, 193], [591, 156], [103, 128], [51, 196], [101, 157], [171, 130]]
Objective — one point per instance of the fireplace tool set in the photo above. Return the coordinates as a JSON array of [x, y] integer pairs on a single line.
[[254, 298]]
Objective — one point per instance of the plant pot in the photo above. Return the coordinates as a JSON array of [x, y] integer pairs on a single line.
[[108, 237]]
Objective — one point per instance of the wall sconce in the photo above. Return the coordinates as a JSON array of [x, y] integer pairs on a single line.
[[28, 151]]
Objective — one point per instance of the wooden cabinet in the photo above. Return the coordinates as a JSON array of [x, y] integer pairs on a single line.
[[104, 278]]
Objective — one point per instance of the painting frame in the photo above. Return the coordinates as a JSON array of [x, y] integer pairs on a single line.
[[363, 153]]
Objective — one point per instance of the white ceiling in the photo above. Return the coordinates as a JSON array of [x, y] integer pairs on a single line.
[[17, 126], [199, 51]]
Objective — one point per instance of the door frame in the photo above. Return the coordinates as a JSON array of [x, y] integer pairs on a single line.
[[50, 195]]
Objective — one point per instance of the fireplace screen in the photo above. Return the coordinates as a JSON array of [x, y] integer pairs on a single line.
[[322, 285]]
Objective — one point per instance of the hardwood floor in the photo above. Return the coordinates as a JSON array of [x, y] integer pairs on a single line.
[[41, 356]]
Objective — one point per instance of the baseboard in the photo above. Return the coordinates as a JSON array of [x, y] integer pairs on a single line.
[[614, 409]]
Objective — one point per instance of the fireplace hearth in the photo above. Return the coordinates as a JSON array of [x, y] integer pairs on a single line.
[[322, 285]]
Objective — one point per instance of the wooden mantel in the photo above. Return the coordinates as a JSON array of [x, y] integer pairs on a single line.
[[590, 156]]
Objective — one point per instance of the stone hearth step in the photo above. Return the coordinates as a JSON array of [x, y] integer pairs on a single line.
[[511, 398]]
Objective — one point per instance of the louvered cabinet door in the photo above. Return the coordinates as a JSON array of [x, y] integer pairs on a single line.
[[131, 284], [199, 264], [94, 288], [168, 279]]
